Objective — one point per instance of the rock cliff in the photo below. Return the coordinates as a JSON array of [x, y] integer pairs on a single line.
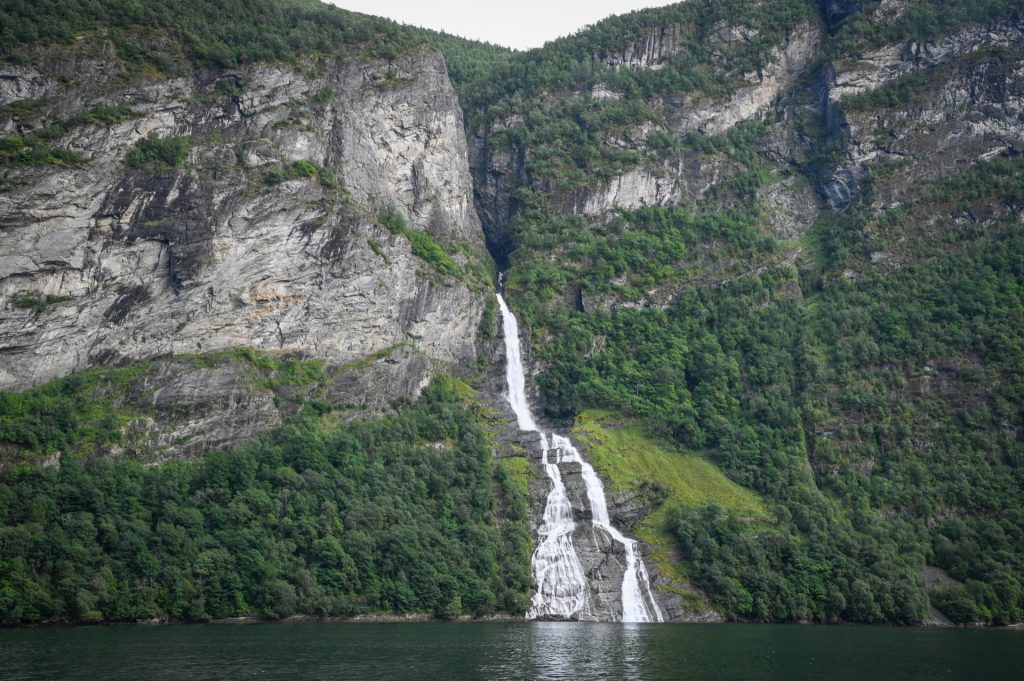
[[261, 232]]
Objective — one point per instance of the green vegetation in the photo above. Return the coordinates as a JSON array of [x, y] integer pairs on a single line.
[[214, 33], [297, 170], [76, 414], [319, 518], [16, 150], [39, 303], [518, 471], [490, 316], [469, 61], [36, 149], [922, 20], [159, 154], [379, 250], [632, 461], [423, 245]]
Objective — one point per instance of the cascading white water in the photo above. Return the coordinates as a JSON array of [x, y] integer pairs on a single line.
[[562, 588]]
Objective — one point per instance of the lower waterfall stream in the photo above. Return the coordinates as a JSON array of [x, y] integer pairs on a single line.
[[563, 589]]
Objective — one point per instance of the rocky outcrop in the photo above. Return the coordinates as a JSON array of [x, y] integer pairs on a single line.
[[874, 69], [634, 189], [684, 179], [785, 66], [264, 236], [966, 110], [651, 51]]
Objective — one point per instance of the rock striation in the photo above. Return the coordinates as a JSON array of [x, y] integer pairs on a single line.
[[265, 235]]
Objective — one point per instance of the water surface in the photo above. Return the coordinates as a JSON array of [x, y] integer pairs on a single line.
[[538, 650]]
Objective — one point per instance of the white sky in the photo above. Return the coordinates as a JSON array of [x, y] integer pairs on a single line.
[[521, 24]]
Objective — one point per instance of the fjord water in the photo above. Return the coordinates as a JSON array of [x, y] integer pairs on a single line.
[[517, 651], [562, 588]]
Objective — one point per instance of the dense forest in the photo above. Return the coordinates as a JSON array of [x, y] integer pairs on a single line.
[[406, 513], [876, 408]]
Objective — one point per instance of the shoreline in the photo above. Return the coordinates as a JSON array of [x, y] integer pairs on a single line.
[[411, 618]]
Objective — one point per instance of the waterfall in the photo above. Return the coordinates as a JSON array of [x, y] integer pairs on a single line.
[[562, 587]]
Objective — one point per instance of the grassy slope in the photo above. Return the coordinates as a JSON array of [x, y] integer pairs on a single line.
[[627, 458]]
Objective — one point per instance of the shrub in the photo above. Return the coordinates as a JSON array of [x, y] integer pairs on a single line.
[[159, 154]]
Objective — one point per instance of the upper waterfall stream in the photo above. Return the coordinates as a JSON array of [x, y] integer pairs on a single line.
[[563, 588]]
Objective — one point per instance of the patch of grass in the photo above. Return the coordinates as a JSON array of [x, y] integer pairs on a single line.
[[457, 390], [379, 250], [423, 245], [273, 371], [518, 472], [630, 460]]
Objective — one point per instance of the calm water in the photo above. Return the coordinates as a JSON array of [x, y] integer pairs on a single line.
[[508, 651]]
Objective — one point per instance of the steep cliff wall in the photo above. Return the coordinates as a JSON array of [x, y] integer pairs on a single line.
[[234, 208]]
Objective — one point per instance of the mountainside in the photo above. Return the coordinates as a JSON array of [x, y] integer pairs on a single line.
[[789, 241], [766, 256]]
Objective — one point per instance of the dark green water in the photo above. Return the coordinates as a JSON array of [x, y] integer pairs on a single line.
[[508, 651]]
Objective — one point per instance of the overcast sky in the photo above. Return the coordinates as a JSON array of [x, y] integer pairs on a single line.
[[521, 24]]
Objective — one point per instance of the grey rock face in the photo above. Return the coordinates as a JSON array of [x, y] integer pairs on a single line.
[[651, 51], [871, 71], [218, 253], [188, 409], [785, 66], [972, 108]]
